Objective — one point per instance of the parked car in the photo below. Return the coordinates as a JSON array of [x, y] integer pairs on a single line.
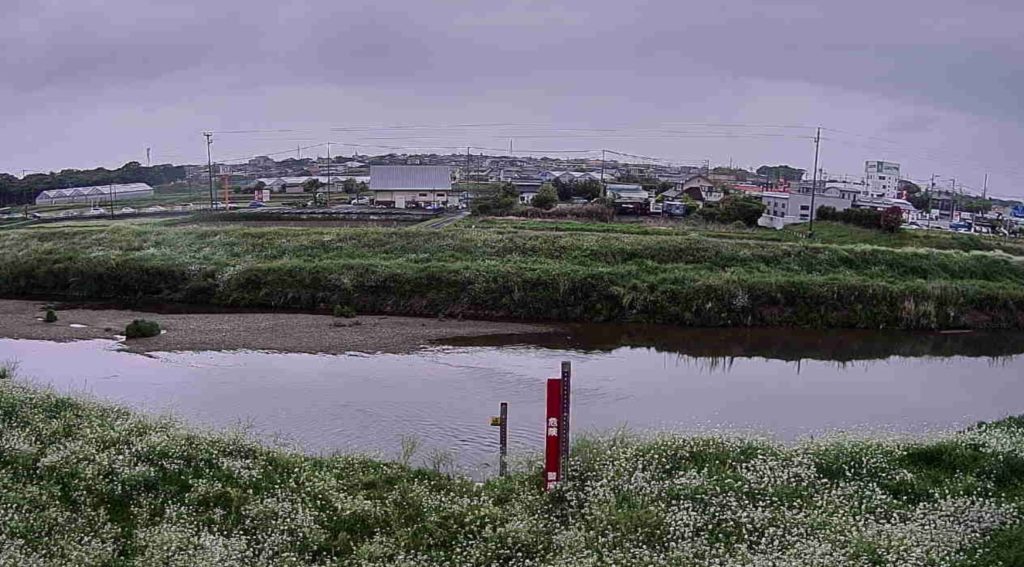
[[127, 210], [257, 204], [361, 201], [35, 216], [960, 226], [154, 209], [97, 211]]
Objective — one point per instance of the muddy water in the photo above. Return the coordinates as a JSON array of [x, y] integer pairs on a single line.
[[784, 383]]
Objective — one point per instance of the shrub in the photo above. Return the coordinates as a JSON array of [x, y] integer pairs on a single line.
[[497, 202], [546, 197], [891, 219], [345, 311], [592, 211], [733, 208], [867, 218], [141, 329], [50, 317]]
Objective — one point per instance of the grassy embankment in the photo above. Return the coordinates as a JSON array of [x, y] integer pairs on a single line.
[[825, 233], [83, 483], [686, 279]]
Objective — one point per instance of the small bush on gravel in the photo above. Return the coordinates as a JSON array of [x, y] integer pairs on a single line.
[[50, 317], [141, 329], [346, 311]]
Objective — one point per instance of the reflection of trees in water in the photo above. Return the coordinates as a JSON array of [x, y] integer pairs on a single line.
[[725, 364], [835, 345]]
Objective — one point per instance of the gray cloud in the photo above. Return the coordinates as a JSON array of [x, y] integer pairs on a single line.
[[179, 67]]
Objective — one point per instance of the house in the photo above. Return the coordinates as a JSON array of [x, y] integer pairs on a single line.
[[97, 194], [402, 186], [571, 176], [629, 197], [699, 188], [527, 190], [910, 213], [788, 208]]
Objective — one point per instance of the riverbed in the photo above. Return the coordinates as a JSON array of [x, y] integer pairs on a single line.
[[785, 384]]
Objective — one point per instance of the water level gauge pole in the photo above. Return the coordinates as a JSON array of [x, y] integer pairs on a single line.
[[501, 422], [564, 433]]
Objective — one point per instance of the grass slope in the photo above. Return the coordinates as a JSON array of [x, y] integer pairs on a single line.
[[83, 483], [686, 279]]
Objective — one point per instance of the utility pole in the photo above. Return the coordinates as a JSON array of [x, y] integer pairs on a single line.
[[328, 175], [952, 201], [931, 189], [604, 190], [209, 163], [510, 147], [814, 182], [147, 158], [984, 188]]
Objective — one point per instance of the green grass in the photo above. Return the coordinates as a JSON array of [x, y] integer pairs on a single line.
[[84, 483], [825, 233], [685, 279]]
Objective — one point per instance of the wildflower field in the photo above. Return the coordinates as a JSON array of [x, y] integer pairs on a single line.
[[83, 483], [682, 278]]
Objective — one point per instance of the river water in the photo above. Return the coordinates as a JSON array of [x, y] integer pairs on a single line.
[[783, 383]]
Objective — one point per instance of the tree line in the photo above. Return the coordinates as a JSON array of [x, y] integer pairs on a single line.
[[15, 191]]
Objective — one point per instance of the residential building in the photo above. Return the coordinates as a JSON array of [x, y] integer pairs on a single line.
[[95, 195], [910, 213], [788, 208], [630, 198], [402, 186], [882, 179], [570, 176]]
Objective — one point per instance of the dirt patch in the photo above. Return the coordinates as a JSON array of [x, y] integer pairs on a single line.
[[286, 332]]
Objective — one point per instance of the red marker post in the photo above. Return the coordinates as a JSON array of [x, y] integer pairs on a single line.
[[553, 434]]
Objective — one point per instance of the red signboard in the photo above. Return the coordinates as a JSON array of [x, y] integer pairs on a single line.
[[552, 435]]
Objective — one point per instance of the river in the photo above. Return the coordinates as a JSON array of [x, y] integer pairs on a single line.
[[783, 383]]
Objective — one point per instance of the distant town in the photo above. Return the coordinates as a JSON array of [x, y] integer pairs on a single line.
[[453, 181]]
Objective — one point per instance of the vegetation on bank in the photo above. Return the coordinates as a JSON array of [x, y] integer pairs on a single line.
[[825, 232], [82, 483], [685, 279]]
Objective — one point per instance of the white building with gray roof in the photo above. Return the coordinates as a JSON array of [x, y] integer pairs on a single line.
[[405, 186]]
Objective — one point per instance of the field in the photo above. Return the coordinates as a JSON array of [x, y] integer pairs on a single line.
[[492, 270], [83, 483]]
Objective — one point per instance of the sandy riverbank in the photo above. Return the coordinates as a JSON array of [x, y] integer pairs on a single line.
[[289, 332]]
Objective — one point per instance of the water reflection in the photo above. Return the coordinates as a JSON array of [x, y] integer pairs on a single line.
[[836, 345], [783, 385]]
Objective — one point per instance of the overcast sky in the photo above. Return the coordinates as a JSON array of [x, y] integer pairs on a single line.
[[934, 85]]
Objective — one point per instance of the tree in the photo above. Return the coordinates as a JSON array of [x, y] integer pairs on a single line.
[[891, 219], [733, 208], [496, 202], [589, 189], [350, 186], [563, 189], [777, 173], [311, 185], [546, 197]]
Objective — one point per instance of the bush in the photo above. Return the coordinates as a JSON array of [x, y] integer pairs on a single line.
[[546, 197], [497, 203], [733, 208], [591, 211], [866, 218], [891, 219], [345, 311], [141, 329], [50, 317]]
